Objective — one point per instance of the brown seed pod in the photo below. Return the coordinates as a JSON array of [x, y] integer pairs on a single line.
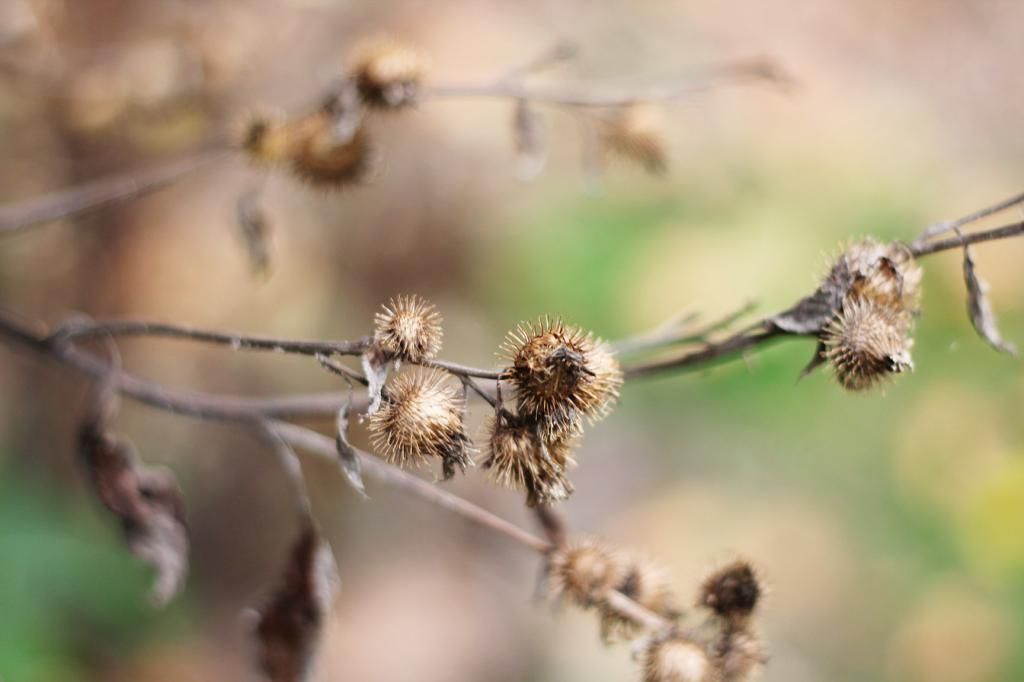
[[677, 660], [636, 135], [521, 459], [328, 151], [387, 73], [585, 571], [867, 342], [265, 139], [886, 274], [408, 328], [740, 656], [421, 418], [561, 375], [732, 592], [647, 585]]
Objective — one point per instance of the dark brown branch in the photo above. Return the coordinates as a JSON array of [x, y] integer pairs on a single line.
[[94, 195], [958, 242], [77, 330], [952, 225], [709, 354], [192, 403]]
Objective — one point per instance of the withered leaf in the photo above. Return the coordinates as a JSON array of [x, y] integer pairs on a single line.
[[255, 231], [289, 629], [812, 313], [375, 368], [528, 135], [636, 135], [148, 503], [347, 455], [979, 308]]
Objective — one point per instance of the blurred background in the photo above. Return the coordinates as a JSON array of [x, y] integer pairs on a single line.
[[887, 526]]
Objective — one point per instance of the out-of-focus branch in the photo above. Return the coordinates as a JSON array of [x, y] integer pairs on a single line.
[[93, 195], [694, 80], [995, 234]]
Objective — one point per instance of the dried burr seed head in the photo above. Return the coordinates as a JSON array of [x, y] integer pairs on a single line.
[[867, 342], [887, 274], [732, 592], [421, 418], [875, 292], [521, 459], [637, 134], [647, 585], [408, 328], [387, 73], [677, 660], [328, 152], [585, 571], [561, 375], [265, 139]]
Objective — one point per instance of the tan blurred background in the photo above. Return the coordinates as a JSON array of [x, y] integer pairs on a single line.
[[888, 527]]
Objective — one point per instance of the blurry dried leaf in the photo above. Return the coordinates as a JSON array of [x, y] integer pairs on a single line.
[[255, 231], [812, 313], [980, 310], [148, 502], [347, 455], [529, 137], [289, 628], [375, 367], [636, 134]]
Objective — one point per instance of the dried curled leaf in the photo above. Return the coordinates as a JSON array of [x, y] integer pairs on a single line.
[[528, 135], [348, 458], [148, 503], [375, 368], [980, 310], [289, 628], [255, 232], [636, 135]]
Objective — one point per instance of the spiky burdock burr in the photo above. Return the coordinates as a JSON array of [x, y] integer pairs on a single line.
[[420, 418], [408, 328], [678, 660], [522, 459], [327, 153], [867, 342], [388, 74], [585, 571], [732, 591], [646, 584], [326, 148], [561, 375]]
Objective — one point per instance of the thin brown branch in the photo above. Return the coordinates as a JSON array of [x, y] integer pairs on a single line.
[[191, 403], [709, 354], [80, 329], [679, 330], [695, 80], [958, 242], [935, 230], [98, 193], [396, 478]]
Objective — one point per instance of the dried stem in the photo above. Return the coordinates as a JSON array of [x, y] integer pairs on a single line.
[[954, 225], [93, 195], [695, 80], [997, 233]]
